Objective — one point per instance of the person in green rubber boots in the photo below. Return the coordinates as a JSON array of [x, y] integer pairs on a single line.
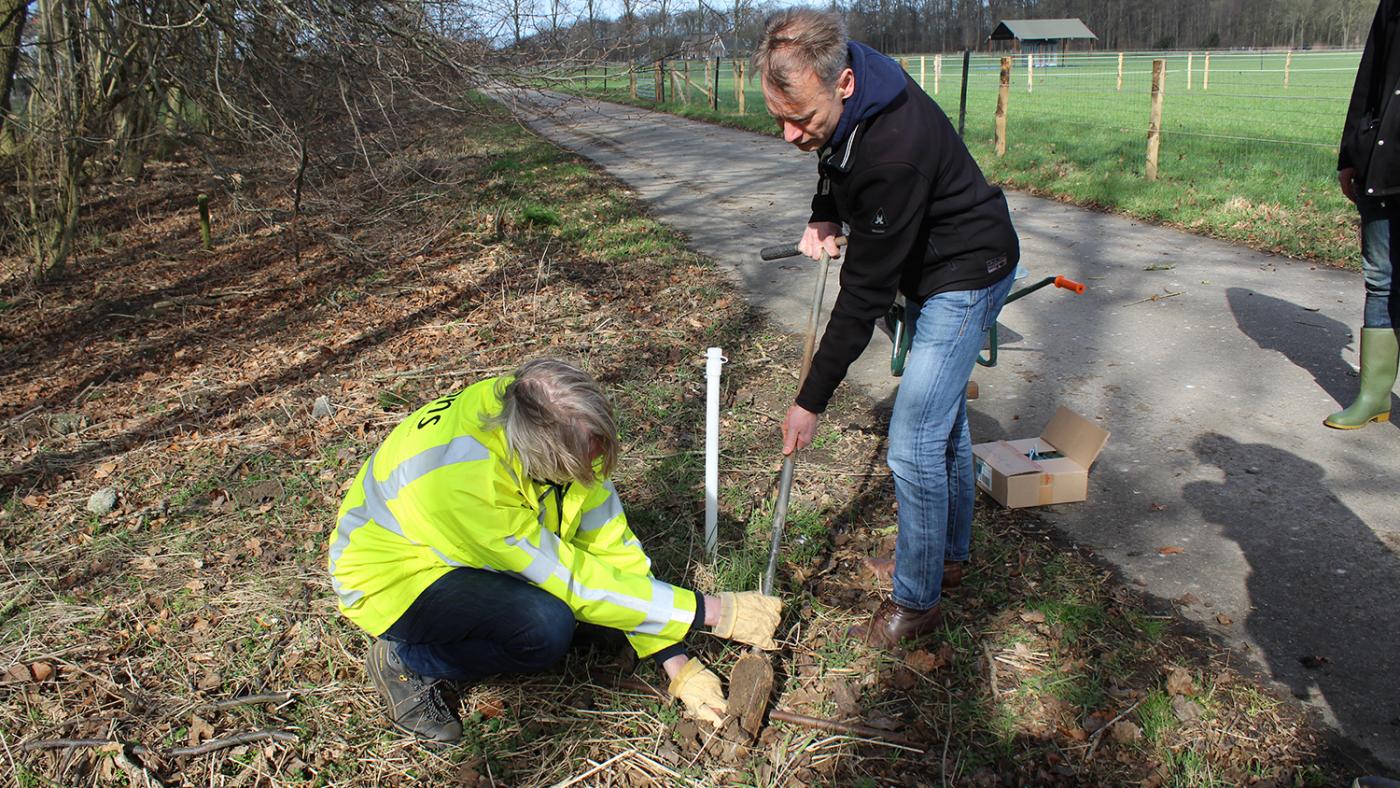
[[1368, 168], [484, 530]]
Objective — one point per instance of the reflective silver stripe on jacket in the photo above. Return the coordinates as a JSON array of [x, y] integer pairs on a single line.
[[603, 513], [657, 612], [375, 508]]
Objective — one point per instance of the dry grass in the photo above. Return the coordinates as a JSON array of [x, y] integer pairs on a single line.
[[185, 380]]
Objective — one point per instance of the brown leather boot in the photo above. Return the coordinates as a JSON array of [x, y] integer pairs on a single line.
[[893, 623], [883, 570]]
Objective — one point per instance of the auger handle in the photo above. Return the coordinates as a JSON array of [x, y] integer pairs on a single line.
[[779, 251]]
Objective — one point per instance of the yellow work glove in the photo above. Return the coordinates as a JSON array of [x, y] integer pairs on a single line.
[[749, 617], [699, 689]]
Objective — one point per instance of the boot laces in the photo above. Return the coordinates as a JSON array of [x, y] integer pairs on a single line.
[[436, 704]]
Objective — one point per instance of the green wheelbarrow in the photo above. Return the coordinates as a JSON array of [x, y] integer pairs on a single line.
[[897, 326]]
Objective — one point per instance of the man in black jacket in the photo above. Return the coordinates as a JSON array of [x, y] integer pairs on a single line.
[[1369, 170], [922, 220]]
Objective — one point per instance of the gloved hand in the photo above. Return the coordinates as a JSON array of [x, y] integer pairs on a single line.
[[699, 689], [749, 617]]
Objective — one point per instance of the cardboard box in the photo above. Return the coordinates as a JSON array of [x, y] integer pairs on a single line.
[[1053, 468]]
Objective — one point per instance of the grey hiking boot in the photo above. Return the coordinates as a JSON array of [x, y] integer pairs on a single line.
[[416, 703]]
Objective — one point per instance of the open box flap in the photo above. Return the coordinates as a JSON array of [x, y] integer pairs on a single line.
[[1075, 436]]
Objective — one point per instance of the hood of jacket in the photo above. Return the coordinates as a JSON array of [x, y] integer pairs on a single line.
[[879, 81]]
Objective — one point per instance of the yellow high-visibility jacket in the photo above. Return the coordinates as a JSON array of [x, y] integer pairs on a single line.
[[443, 491]]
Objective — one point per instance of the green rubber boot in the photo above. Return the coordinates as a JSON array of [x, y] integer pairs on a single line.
[[1379, 351]]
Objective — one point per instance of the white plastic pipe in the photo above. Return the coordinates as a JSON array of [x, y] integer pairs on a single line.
[[713, 359]]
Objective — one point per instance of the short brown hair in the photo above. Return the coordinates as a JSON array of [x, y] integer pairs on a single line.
[[799, 40]]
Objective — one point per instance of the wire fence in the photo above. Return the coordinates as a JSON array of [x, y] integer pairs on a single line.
[[1254, 130], [1224, 108]]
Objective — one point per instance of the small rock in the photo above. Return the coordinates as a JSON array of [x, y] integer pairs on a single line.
[[42, 671], [1125, 732], [1185, 709], [210, 680], [321, 408], [903, 678], [1223, 619], [1094, 722], [102, 501], [1187, 599], [67, 423], [669, 755], [847, 698]]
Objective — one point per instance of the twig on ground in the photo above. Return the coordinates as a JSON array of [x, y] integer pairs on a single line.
[[1158, 297], [178, 752], [1098, 734], [597, 767], [266, 697], [863, 732]]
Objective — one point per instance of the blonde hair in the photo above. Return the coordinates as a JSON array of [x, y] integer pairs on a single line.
[[799, 40], [557, 421]]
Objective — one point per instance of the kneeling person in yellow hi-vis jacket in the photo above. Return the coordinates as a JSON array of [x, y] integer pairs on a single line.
[[484, 528]]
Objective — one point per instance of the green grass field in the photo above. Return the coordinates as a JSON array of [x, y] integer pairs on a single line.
[[1243, 157]]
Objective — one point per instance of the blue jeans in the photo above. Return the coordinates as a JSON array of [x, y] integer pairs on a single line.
[[1378, 261], [472, 623], [930, 450]]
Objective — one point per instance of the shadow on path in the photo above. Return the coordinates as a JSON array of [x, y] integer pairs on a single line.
[[1319, 580], [1312, 341]]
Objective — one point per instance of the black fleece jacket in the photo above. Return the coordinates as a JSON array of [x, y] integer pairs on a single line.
[[922, 219], [1371, 135]]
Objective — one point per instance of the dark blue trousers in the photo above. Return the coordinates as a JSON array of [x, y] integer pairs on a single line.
[[472, 623]]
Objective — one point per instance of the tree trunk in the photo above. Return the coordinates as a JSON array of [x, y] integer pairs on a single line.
[[13, 14]]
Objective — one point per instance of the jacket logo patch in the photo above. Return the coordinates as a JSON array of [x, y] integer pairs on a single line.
[[879, 220]]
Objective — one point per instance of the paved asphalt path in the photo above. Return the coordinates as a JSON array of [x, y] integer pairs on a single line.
[[1215, 398]]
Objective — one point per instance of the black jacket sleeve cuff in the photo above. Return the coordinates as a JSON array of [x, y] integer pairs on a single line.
[[664, 654]]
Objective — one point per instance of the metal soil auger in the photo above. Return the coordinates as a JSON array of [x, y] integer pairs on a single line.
[[751, 681], [808, 348]]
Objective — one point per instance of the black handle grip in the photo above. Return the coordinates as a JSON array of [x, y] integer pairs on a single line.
[[778, 252]]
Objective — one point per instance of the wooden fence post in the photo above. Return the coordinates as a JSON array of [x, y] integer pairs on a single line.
[[1002, 93], [632, 79], [659, 81], [1120, 72], [1205, 74], [1030, 72], [922, 83], [1287, 64], [1154, 123], [1189, 56], [739, 84], [937, 72], [678, 91]]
